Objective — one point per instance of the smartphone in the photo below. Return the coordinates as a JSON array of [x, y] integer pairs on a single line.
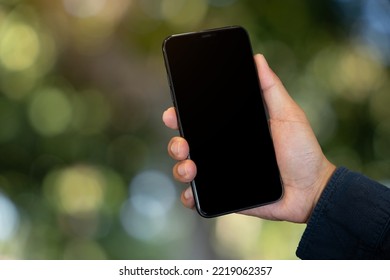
[[218, 100]]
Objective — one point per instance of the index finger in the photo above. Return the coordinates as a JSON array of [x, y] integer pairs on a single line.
[[169, 118]]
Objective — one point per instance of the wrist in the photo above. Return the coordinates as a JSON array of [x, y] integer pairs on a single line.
[[326, 173]]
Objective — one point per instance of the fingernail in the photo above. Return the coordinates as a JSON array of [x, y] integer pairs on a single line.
[[187, 194], [181, 170], [175, 148], [265, 61]]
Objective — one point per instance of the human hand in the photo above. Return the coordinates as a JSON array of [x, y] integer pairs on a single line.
[[303, 167]]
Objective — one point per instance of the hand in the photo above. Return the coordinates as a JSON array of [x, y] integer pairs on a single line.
[[304, 168]]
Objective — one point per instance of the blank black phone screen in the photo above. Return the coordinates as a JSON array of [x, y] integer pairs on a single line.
[[218, 100]]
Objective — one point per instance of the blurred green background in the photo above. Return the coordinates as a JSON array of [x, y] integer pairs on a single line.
[[84, 172]]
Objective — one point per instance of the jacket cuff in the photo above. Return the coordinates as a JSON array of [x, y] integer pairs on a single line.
[[350, 221]]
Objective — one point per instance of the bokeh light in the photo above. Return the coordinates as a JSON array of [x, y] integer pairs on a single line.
[[354, 72], [152, 196], [93, 23], [229, 227], [19, 47], [9, 218], [50, 111], [76, 190], [83, 9], [184, 14]]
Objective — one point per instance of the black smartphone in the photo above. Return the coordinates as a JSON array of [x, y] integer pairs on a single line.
[[219, 105]]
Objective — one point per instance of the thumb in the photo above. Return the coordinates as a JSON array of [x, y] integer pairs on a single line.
[[276, 97]]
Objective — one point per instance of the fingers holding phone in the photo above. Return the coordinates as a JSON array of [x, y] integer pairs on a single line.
[[219, 109]]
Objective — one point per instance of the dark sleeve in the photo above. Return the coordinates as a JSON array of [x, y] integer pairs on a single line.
[[350, 221]]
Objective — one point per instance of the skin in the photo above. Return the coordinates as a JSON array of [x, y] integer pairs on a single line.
[[304, 168]]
